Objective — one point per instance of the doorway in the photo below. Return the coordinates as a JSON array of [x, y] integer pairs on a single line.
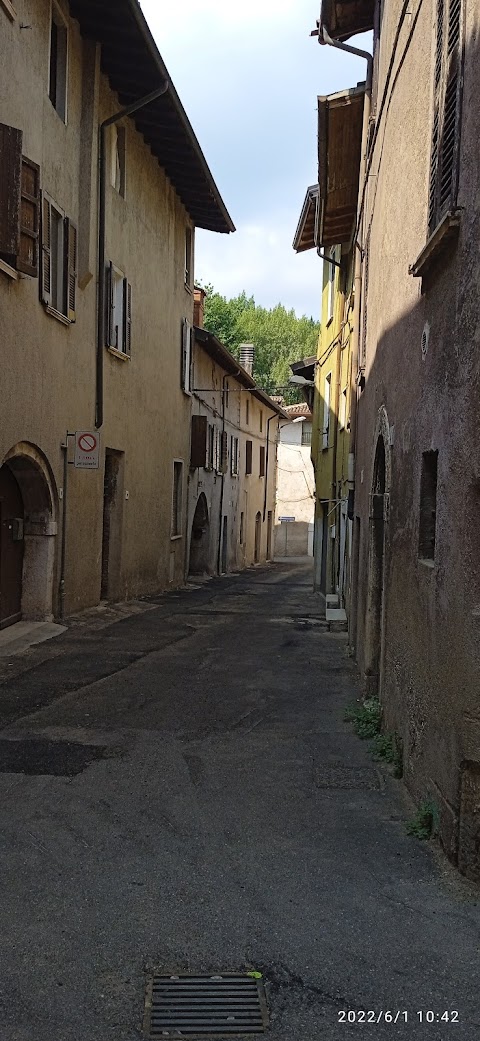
[[375, 591], [11, 548], [200, 539], [112, 524], [269, 535], [258, 537]]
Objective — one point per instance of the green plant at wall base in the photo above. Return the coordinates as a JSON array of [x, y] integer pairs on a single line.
[[424, 822], [388, 747], [366, 718]]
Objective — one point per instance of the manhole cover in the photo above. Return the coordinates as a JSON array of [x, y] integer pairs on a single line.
[[223, 1005], [346, 777]]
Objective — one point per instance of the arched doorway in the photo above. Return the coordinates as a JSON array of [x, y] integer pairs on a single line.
[[375, 592], [27, 536], [200, 539], [258, 537]]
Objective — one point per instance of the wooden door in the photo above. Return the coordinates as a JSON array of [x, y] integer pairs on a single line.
[[11, 548]]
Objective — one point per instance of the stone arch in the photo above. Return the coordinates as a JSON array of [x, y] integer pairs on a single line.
[[34, 478], [199, 563], [381, 450]]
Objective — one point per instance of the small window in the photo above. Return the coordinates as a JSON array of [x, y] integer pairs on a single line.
[[261, 421], [428, 506], [241, 537], [59, 261], [306, 433], [342, 418], [58, 63], [331, 285], [119, 298], [247, 411], [226, 392], [188, 256], [186, 364], [118, 159], [262, 461], [248, 457], [234, 456], [177, 499]]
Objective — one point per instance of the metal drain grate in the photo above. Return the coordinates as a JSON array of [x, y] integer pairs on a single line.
[[224, 1005]]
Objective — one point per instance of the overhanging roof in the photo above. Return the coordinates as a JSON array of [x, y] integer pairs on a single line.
[[340, 119], [305, 233], [345, 18], [131, 60], [219, 354]]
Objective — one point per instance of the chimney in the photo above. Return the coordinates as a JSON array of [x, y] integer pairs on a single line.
[[198, 305], [247, 355]]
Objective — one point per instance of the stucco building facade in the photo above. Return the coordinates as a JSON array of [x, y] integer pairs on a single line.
[[414, 615], [96, 290], [233, 459], [295, 502]]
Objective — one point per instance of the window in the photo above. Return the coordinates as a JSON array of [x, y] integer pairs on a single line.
[[234, 456], [188, 256], [248, 457], [19, 204], [223, 465], [210, 447], [331, 285], [247, 411], [262, 461], [326, 411], [241, 537], [119, 301], [177, 499], [261, 421], [118, 153], [58, 63], [59, 261], [342, 418], [186, 370], [198, 441], [446, 113], [428, 506], [306, 433]]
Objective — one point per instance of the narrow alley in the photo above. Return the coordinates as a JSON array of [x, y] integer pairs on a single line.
[[180, 792]]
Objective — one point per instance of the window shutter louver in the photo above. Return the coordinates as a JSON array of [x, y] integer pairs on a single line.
[[198, 444], [446, 116], [10, 191], [127, 317], [27, 260], [46, 281], [224, 451], [70, 268]]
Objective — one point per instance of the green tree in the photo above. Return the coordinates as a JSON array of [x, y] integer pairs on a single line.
[[278, 335]]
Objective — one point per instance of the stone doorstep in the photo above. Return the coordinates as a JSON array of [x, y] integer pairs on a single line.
[[337, 619], [19, 637]]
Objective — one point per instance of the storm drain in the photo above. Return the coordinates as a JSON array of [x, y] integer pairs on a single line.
[[224, 1005]]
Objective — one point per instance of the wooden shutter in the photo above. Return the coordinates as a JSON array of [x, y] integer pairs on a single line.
[[262, 460], [46, 279], [10, 191], [70, 268], [127, 317], [110, 306], [27, 260], [224, 452], [198, 442], [248, 457], [446, 115]]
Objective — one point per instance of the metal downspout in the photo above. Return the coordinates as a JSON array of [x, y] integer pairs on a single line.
[[102, 188]]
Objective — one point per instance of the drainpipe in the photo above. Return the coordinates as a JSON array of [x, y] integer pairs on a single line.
[[323, 37], [128, 111]]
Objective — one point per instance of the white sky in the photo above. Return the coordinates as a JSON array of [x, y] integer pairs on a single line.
[[248, 76]]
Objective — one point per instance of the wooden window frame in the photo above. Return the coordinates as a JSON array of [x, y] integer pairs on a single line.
[[234, 456], [446, 118], [69, 262], [122, 348]]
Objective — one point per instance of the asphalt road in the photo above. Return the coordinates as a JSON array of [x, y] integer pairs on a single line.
[[179, 791]]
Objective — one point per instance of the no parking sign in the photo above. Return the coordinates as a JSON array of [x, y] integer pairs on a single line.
[[87, 449]]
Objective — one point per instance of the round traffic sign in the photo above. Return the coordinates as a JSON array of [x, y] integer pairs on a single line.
[[87, 442]]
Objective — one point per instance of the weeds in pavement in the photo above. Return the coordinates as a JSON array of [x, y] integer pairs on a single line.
[[424, 822], [388, 747], [365, 717]]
